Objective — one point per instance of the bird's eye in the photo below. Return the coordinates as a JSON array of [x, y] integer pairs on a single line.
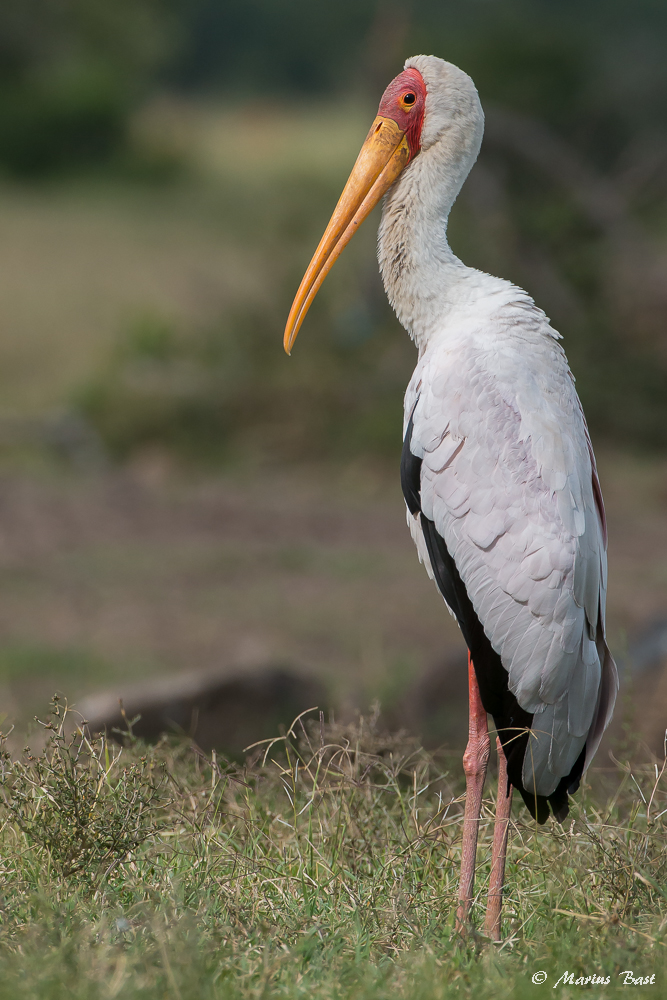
[[408, 99]]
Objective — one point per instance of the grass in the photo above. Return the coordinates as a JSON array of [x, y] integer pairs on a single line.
[[326, 867]]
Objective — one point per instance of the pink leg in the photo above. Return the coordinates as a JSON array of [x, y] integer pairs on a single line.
[[499, 852], [475, 761]]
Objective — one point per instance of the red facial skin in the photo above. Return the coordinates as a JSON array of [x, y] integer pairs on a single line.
[[408, 117]]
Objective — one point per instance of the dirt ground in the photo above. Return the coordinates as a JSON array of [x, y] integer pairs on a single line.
[[131, 574]]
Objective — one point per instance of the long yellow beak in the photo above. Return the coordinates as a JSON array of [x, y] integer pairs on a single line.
[[383, 156]]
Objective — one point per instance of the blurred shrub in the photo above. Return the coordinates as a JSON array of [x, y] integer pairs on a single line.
[[568, 200], [223, 393], [227, 391], [70, 73], [71, 69], [530, 212], [594, 69]]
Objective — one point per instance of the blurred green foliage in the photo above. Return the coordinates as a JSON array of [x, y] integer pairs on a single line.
[[70, 73], [594, 68], [72, 70], [586, 81], [223, 392]]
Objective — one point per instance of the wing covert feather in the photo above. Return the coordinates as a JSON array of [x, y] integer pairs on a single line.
[[509, 479]]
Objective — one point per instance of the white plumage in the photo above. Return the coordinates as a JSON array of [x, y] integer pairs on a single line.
[[508, 474], [507, 477], [498, 472]]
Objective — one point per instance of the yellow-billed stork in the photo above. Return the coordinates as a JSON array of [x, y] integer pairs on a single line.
[[502, 494]]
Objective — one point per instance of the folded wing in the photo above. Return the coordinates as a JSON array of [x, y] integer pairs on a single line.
[[508, 478]]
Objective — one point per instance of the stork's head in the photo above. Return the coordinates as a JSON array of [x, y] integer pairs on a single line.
[[431, 110]]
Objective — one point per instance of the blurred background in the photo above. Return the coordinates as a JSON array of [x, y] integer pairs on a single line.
[[184, 508]]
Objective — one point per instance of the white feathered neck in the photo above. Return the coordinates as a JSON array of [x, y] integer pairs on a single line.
[[422, 277]]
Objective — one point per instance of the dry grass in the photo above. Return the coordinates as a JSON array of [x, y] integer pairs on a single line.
[[326, 868]]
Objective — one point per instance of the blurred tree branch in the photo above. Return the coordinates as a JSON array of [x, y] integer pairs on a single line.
[[636, 278]]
